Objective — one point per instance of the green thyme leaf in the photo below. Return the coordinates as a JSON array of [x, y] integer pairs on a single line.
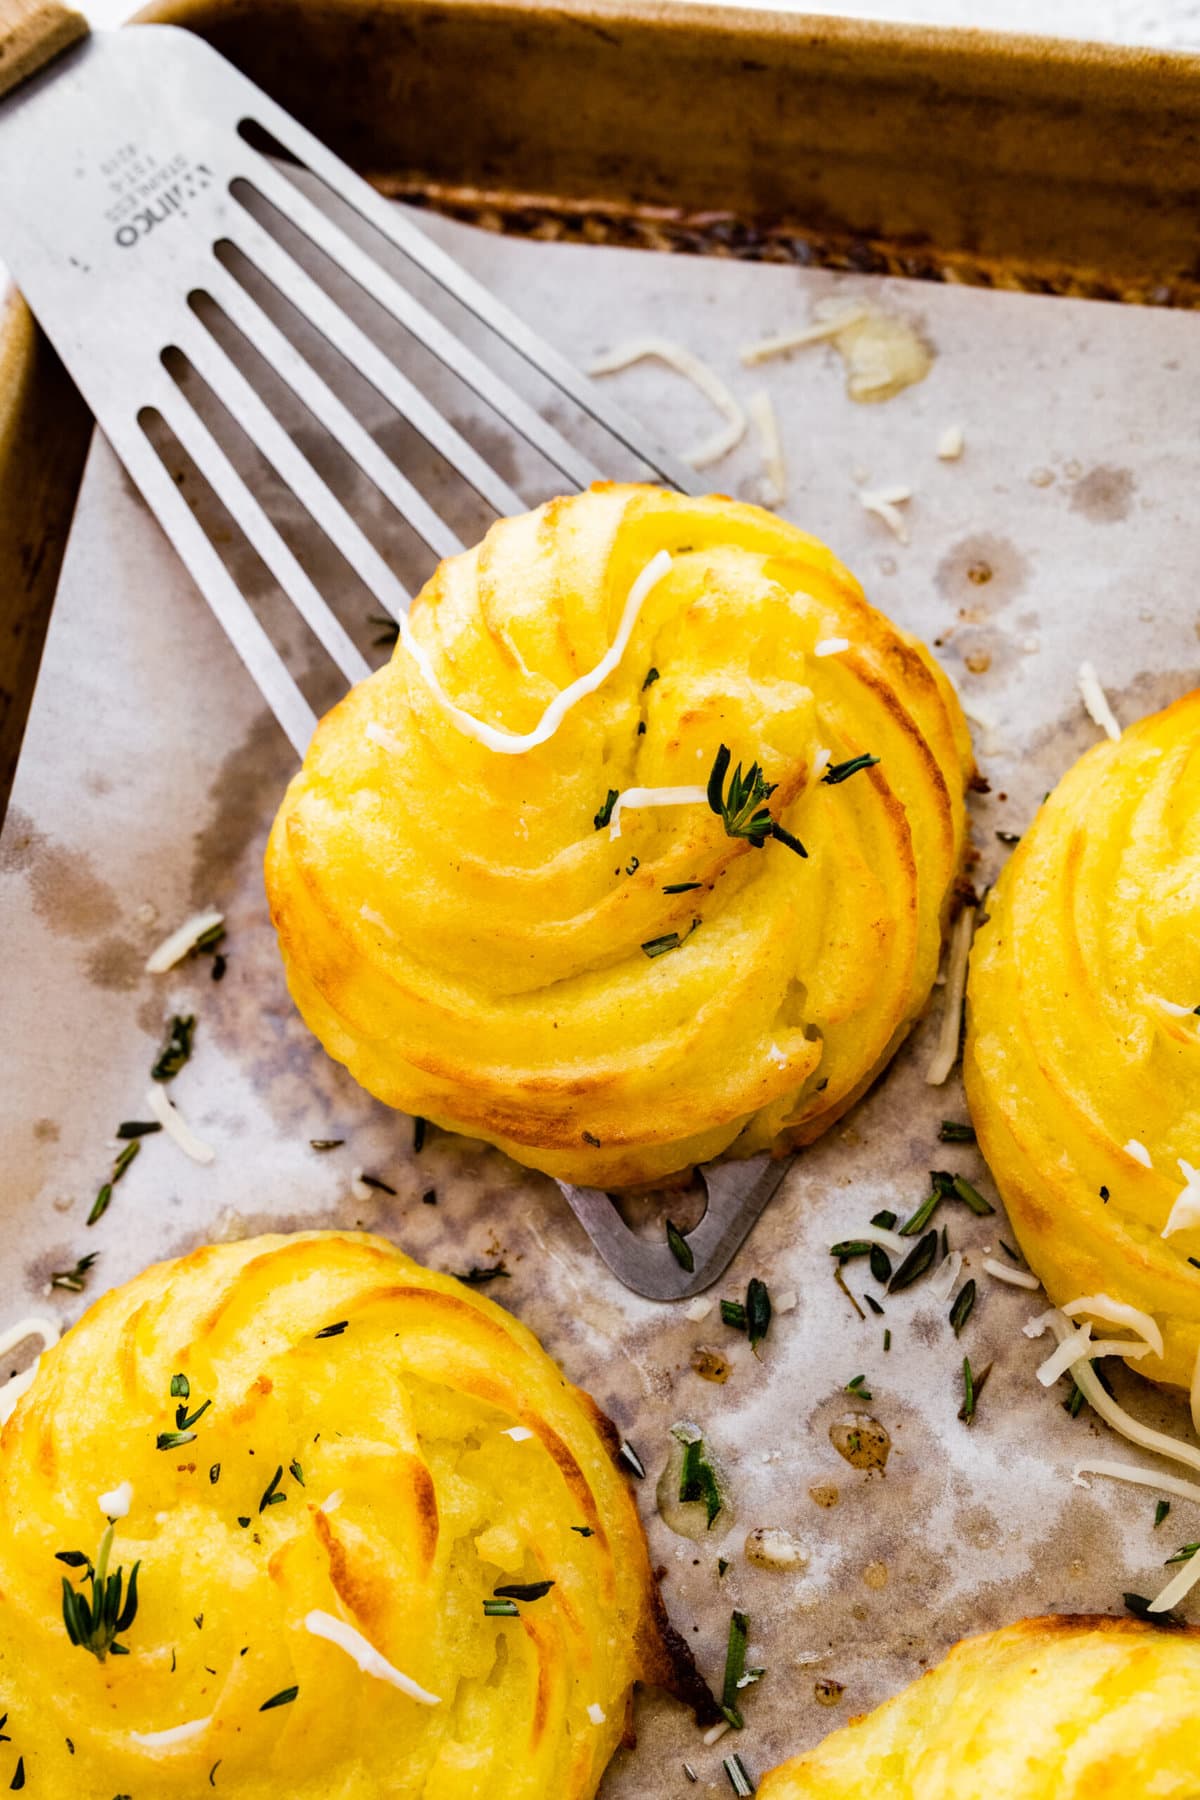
[[922, 1216], [125, 1157], [839, 772], [332, 1330], [680, 1249], [733, 1314], [271, 1494], [523, 1590], [758, 1311], [1160, 1512], [185, 1420], [1184, 1553], [138, 1128], [915, 1264], [697, 1477], [174, 1440], [101, 1203], [74, 1280], [651, 677], [735, 1668], [682, 887], [605, 813], [881, 1267], [284, 1697], [951, 1132], [500, 1609], [964, 1302], [177, 1048], [181, 1387]]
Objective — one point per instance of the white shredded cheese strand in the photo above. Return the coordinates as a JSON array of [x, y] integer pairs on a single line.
[[951, 443], [1102, 1402], [885, 503], [787, 1302], [699, 1309], [820, 333], [945, 1054], [176, 1126], [1185, 1214], [879, 1234], [175, 1734], [766, 425], [360, 1189], [653, 796], [944, 1278], [715, 1732], [820, 763], [336, 1631], [518, 1433], [173, 949], [117, 1502], [1180, 1585], [511, 743], [596, 1713], [1173, 1007], [1118, 1312], [831, 646], [1139, 1153], [1072, 1349], [665, 350], [48, 1332], [1022, 1278], [332, 1503], [1174, 1485], [1096, 701], [371, 917]]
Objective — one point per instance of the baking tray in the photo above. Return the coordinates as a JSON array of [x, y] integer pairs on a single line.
[[146, 787]]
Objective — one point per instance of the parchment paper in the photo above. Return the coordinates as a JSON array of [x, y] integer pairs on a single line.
[[149, 778]]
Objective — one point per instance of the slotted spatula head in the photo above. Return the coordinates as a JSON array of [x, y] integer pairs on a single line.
[[173, 230]]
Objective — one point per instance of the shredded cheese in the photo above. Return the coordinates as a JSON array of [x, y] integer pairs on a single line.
[[945, 1053], [1102, 1402], [48, 1332], [377, 919], [770, 444], [117, 1502], [336, 1631], [1118, 1312], [951, 443], [715, 1732], [1096, 701], [819, 333], [879, 1234], [831, 646], [518, 1433], [787, 1302], [699, 1309], [596, 1713], [1139, 1153], [820, 763], [945, 1276], [1173, 1007], [1174, 1485], [653, 796], [1022, 1278], [176, 1126], [333, 1501], [1075, 1348], [1185, 1214], [175, 1734], [173, 949], [1178, 1587], [719, 443], [885, 504]]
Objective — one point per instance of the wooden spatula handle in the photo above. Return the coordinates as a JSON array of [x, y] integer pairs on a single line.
[[31, 33]]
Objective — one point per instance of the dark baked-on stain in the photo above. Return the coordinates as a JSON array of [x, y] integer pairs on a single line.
[[1104, 494], [67, 894]]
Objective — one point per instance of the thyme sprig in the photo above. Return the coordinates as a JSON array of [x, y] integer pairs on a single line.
[[177, 1048], [839, 772], [96, 1624], [74, 1280], [740, 803]]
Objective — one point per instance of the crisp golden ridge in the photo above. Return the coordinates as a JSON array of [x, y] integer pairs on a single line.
[[1049, 1709], [411, 1505], [458, 932], [1083, 1056]]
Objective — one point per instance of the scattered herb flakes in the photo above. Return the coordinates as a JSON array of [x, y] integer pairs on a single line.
[[1009, 837], [922, 1216], [915, 1264], [857, 1386], [741, 804], [1139, 1606], [284, 1697], [970, 1196], [632, 1460], [95, 1625], [679, 1247], [325, 1143], [735, 1668], [124, 1158], [101, 1203], [874, 1305], [174, 1440], [758, 1311], [733, 1314], [480, 1277], [327, 1331], [419, 1129], [682, 887], [18, 1780], [881, 1266], [1161, 1510], [523, 1590], [583, 1530], [1185, 1552], [1008, 1251], [500, 1609], [429, 1197], [181, 1387], [651, 677], [848, 1248], [185, 1420], [950, 1131], [373, 1181], [723, 1565], [887, 1339], [973, 1386], [137, 1128], [964, 1303], [670, 940], [697, 1477], [214, 1474], [243, 1520], [74, 1280], [387, 630], [177, 1048], [839, 772], [885, 1220], [296, 1472], [604, 815], [739, 1776], [271, 1494]]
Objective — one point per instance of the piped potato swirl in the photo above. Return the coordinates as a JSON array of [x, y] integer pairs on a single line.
[[1082, 1061], [461, 933], [369, 1452]]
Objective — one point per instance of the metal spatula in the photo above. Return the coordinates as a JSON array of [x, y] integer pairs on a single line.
[[173, 231]]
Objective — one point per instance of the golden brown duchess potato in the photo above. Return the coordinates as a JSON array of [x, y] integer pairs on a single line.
[[459, 931], [368, 1449], [1050, 1709], [1082, 1062]]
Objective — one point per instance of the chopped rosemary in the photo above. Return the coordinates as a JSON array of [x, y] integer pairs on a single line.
[[429, 1197], [501, 1609], [523, 1590], [325, 1143], [480, 1277], [181, 1387], [332, 1330], [271, 1495], [856, 1387], [873, 1303], [630, 1457], [968, 1194], [682, 887], [735, 1668], [838, 772], [420, 1127], [850, 1247], [679, 1247], [97, 1624], [583, 1530], [1160, 1512], [1008, 1250], [741, 807], [922, 1216], [177, 1048], [881, 1267], [605, 813], [887, 1339], [373, 1181], [284, 1697], [1139, 1606], [73, 1280], [915, 1264], [137, 1128], [733, 1314], [697, 1477], [101, 1203], [387, 630], [964, 1302], [670, 940], [1185, 1552], [214, 1474], [951, 1132], [651, 678], [973, 1386], [174, 1440], [758, 1311], [739, 1777], [185, 1420], [296, 1472], [124, 1159], [885, 1219]]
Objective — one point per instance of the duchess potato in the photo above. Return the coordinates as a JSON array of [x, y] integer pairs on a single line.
[[327, 1465], [613, 991], [1050, 1709], [1082, 1061]]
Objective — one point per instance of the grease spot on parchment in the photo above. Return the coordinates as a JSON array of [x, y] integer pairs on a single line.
[[47, 1131], [67, 894], [115, 964], [1104, 494], [981, 574]]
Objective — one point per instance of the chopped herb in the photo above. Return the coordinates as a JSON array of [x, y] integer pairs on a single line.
[[429, 1197], [101, 1203], [1160, 1512], [214, 1474], [1185, 1552], [1104, 1195], [735, 1668], [697, 1478], [284, 1697], [682, 887], [973, 1386], [177, 1048], [243, 1520], [373, 1181], [838, 772], [641, 730], [873, 1303], [589, 1137], [739, 1778], [855, 1386], [758, 1311], [970, 1196], [722, 1566], [840, 1279], [198, 1621], [885, 1220], [1195, 1261], [181, 1387], [670, 940], [185, 1420], [501, 1609], [633, 865], [733, 1314], [964, 1302], [174, 1440], [212, 1773], [1008, 1250], [73, 1280], [605, 814], [208, 940], [583, 1530], [679, 1247], [332, 1330], [850, 1247], [1009, 837], [419, 1128], [887, 1339], [630, 1457], [651, 678], [219, 966], [137, 1128], [18, 1780], [523, 1590], [481, 1277], [945, 1243], [881, 1267], [922, 1216], [741, 805], [296, 1472], [915, 1264], [325, 1143], [271, 1495], [97, 1624], [1139, 1606], [951, 1132], [74, 1559], [690, 1772], [125, 1158]]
